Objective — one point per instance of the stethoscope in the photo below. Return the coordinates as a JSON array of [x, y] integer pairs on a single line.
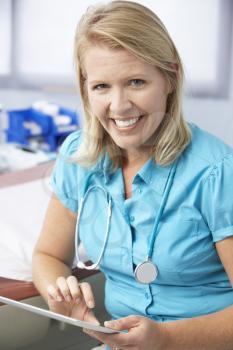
[[145, 272], [80, 263]]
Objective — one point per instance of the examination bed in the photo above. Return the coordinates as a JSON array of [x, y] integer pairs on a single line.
[[24, 196]]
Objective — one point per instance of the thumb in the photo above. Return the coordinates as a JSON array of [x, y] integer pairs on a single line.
[[123, 323]]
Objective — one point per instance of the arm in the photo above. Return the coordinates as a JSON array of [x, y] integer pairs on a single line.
[[213, 331], [52, 259], [209, 332], [54, 250]]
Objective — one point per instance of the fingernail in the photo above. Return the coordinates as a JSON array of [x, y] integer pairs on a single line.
[[90, 304], [109, 324], [68, 298], [59, 298], [77, 300]]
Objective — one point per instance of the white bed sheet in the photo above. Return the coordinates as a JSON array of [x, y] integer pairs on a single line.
[[22, 210]]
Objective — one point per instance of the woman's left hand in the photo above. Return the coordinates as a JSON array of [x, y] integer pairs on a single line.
[[143, 333]]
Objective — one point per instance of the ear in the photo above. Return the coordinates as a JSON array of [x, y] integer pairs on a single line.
[[174, 66]]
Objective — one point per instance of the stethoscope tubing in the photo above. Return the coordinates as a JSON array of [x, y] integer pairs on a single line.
[[81, 264], [161, 210], [96, 265]]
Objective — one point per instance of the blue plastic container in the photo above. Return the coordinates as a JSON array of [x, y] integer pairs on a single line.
[[28, 124]]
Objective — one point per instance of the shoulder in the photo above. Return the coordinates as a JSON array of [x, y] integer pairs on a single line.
[[69, 155], [71, 143], [206, 150]]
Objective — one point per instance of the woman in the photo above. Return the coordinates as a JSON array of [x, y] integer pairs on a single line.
[[168, 258]]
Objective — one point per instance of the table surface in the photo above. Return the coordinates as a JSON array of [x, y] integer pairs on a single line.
[[40, 171]]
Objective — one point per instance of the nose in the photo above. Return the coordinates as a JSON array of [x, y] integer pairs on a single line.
[[120, 102]]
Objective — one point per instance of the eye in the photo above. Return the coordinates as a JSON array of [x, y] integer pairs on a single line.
[[137, 82], [99, 87]]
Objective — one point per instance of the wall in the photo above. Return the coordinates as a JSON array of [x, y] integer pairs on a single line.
[[212, 114]]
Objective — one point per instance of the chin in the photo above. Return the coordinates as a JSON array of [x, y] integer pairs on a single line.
[[125, 145]]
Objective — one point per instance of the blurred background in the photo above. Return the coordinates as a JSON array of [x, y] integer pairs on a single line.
[[37, 77], [40, 106]]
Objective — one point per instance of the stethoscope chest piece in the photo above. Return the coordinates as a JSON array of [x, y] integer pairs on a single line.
[[146, 272]]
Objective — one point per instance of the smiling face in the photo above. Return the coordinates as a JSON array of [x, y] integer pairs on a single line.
[[127, 95]]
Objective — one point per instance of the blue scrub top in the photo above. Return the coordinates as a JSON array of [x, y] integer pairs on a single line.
[[199, 212]]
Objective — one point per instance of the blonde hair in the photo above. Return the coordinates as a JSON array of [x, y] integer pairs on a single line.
[[131, 26]]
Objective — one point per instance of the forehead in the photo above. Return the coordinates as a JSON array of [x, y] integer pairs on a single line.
[[101, 60]]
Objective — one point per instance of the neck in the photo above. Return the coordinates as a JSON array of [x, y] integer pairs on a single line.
[[135, 159]]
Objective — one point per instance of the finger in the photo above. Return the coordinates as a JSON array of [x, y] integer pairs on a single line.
[[64, 289], [74, 288], [108, 339], [87, 294], [90, 317], [123, 323], [54, 293], [97, 335]]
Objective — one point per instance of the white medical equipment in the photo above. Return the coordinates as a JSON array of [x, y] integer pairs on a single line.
[[146, 271]]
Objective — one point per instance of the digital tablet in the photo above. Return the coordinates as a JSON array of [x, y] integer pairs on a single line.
[[57, 316]]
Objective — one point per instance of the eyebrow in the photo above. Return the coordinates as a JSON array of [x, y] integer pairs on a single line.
[[131, 76]]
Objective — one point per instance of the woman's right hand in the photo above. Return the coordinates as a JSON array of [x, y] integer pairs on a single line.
[[73, 299]]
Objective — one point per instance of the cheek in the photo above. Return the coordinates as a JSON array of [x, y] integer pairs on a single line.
[[98, 106], [155, 103]]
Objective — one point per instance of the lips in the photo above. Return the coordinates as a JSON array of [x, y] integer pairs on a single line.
[[123, 123]]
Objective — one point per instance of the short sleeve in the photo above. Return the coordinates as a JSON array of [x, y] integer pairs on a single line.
[[218, 199], [64, 175]]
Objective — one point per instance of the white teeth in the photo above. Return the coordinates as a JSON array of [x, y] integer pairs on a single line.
[[125, 123]]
